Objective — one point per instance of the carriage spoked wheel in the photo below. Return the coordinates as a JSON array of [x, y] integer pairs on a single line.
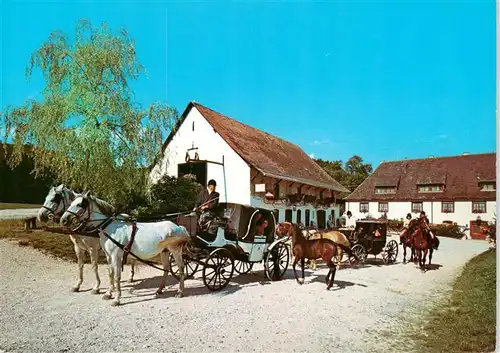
[[190, 268], [242, 267], [218, 269], [360, 251], [276, 262], [390, 253]]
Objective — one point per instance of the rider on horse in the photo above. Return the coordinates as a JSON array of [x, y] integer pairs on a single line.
[[427, 229], [406, 226]]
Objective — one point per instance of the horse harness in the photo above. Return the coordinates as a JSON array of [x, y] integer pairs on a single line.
[[94, 232], [126, 248]]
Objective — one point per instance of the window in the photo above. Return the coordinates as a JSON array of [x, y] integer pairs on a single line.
[[447, 207], [299, 216], [385, 190], [383, 207], [417, 207], [308, 217], [277, 191], [288, 215], [193, 125], [363, 207], [430, 188], [488, 187], [277, 215], [478, 206]]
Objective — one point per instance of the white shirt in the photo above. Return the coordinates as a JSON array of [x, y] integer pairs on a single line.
[[350, 222]]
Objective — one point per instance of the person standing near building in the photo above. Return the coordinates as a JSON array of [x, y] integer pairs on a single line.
[[350, 220]]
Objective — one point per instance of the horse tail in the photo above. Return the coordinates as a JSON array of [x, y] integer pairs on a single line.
[[348, 250], [435, 244], [175, 242]]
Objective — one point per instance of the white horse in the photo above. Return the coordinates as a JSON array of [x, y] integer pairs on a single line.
[[150, 239], [56, 202]]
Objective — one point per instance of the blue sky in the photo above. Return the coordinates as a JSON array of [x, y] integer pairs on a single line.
[[384, 80]]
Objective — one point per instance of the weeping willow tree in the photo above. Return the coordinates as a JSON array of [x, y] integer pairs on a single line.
[[87, 130]]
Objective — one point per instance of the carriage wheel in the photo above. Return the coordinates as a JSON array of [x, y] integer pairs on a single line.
[[190, 268], [218, 269], [242, 267], [390, 252], [276, 262], [360, 251]]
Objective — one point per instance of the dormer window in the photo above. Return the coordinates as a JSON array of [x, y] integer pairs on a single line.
[[431, 188], [385, 189], [487, 186]]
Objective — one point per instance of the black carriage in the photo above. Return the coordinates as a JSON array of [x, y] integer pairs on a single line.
[[238, 237], [370, 237]]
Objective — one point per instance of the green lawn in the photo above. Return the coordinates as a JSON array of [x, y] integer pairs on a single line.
[[47, 241], [466, 322], [11, 206]]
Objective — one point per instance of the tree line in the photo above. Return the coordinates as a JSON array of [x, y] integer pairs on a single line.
[[350, 174]]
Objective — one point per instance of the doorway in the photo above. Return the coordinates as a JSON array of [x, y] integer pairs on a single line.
[[198, 169], [321, 214], [475, 230]]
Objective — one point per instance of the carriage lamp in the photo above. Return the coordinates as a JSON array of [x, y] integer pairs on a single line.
[[269, 196]]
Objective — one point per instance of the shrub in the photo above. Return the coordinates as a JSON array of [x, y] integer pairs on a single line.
[[169, 195], [447, 230], [395, 225]]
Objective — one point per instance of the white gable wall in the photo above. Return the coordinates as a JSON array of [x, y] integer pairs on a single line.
[[235, 187]]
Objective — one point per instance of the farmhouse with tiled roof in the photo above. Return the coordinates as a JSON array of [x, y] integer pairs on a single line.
[[250, 166], [457, 188]]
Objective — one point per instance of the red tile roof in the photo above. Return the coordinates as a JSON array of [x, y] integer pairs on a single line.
[[269, 154], [459, 175]]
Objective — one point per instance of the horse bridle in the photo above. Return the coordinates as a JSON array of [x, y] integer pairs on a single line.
[[80, 228], [52, 211]]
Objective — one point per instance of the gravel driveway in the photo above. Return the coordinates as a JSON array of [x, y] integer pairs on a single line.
[[366, 311]]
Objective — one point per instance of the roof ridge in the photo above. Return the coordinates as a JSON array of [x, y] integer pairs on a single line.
[[458, 174], [282, 143], [442, 157], [246, 125]]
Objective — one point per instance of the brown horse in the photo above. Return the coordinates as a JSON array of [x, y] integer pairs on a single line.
[[406, 238], [422, 242], [337, 237], [310, 249]]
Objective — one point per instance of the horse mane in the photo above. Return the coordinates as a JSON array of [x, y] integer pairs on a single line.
[[106, 208], [297, 230], [413, 224]]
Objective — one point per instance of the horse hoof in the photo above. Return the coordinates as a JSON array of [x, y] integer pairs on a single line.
[[75, 289], [94, 291], [157, 294], [179, 295], [106, 297], [115, 303]]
